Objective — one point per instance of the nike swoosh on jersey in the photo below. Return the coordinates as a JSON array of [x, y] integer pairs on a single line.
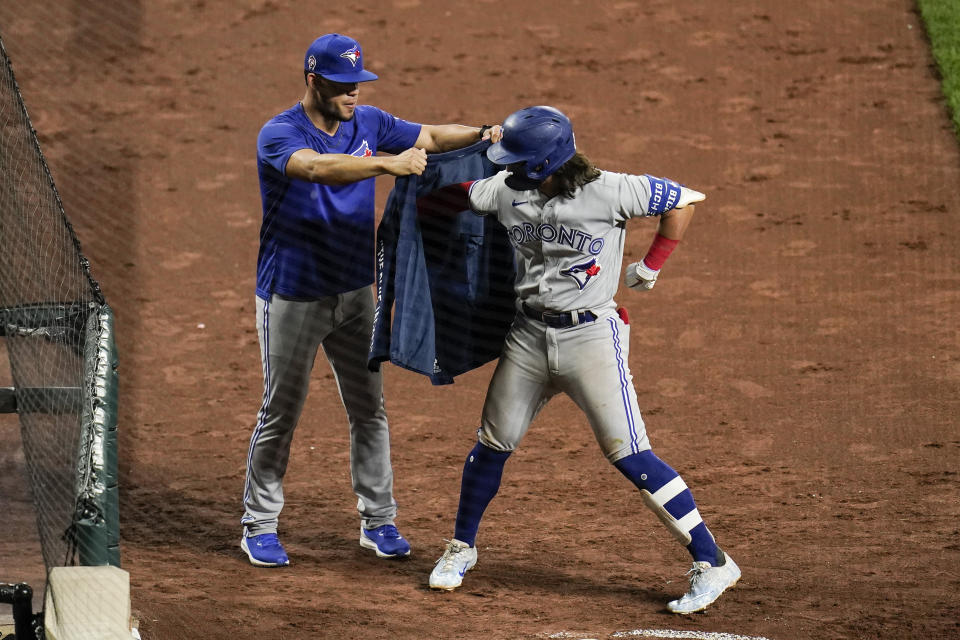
[[515, 202]]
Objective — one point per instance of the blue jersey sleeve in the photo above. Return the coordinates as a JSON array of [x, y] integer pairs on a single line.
[[277, 142], [395, 135]]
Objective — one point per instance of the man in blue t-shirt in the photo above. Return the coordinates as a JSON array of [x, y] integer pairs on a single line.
[[316, 162]]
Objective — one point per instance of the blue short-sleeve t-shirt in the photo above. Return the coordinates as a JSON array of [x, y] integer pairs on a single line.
[[317, 240]]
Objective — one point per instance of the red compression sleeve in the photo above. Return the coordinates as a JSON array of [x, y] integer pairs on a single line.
[[659, 251], [447, 200]]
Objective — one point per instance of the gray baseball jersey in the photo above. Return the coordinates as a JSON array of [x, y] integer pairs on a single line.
[[569, 251], [569, 254]]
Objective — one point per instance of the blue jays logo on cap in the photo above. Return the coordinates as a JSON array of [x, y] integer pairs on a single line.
[[338, 58], [352, 55]]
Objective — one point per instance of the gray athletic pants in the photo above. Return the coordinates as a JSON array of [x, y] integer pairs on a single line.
[[291, 332]]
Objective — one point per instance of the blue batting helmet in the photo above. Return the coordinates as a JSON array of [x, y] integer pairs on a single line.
[[541, 137]]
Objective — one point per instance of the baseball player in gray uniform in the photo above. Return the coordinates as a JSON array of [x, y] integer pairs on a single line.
[[567, 221]]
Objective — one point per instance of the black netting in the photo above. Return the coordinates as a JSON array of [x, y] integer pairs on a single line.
[[52, 316]]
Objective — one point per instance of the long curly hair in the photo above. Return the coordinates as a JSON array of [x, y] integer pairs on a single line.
[[575, 172]]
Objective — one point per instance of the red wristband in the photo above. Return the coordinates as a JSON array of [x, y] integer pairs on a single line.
[[659, 251]]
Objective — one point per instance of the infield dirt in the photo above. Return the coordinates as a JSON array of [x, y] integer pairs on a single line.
[[798, 361]]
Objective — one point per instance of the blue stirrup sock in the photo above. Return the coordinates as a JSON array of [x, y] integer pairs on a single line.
[[666, 494], [481, 481]]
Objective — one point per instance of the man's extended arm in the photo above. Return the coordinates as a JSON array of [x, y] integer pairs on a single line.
[[340, 168], [437, 138]]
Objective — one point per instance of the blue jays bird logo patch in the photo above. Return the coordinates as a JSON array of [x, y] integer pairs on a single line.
[[363, 151], [582, 272], [352, 55]]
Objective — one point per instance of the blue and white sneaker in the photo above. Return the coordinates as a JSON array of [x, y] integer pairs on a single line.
[[264, 550], [385, 540], [458, 558]]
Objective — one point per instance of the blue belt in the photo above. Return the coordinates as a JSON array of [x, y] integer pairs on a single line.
[[559, 319]]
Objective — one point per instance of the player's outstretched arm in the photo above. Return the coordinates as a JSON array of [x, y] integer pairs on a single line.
[[437, 138], [339, 168], [411, 161]]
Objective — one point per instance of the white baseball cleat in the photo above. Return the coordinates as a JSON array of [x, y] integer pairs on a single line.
[[706, 584], [455, 561]]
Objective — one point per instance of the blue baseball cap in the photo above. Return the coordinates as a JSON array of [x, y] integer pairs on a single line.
[[338, 58]]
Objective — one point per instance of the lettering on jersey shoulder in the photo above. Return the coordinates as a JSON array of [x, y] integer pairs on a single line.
[[582, 272], [363, 151]]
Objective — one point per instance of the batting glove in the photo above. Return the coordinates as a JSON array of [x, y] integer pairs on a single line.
[[640, 277]]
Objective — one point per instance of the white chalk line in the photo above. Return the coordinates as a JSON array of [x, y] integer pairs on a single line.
[[692, 635], [662, 633]]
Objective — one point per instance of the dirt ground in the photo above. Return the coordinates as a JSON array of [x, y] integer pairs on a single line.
[[798, 362]]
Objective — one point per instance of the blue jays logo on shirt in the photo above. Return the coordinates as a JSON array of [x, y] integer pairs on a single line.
[[582, 272], [363, 151], [352, 55]]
